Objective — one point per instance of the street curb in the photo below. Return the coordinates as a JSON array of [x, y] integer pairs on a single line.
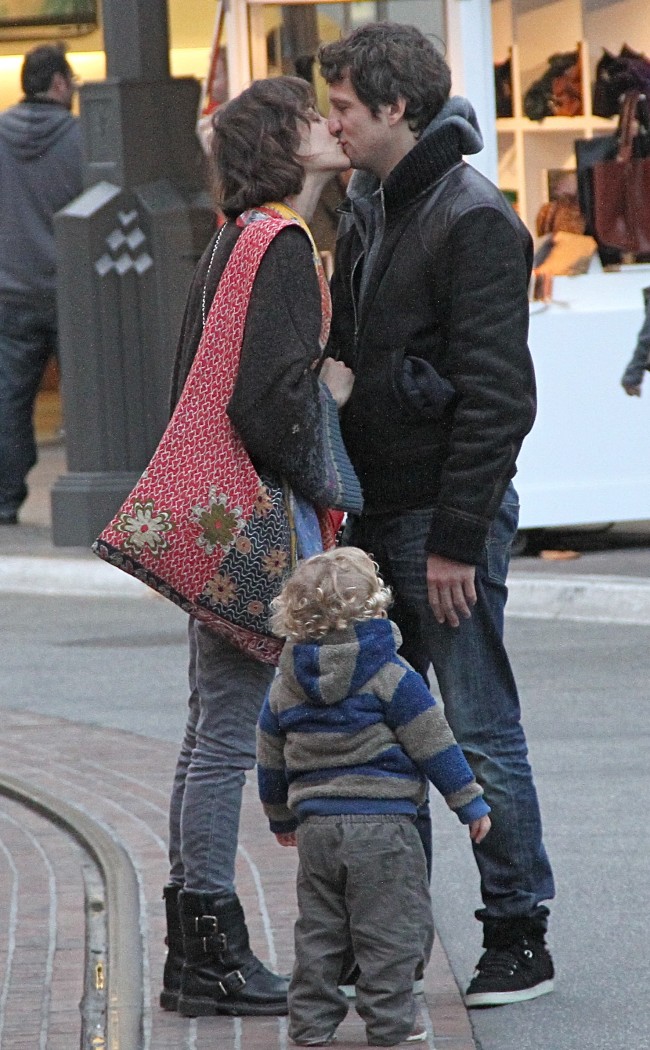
[[594, 598], [124, 970], [72, 577], [599, 599]]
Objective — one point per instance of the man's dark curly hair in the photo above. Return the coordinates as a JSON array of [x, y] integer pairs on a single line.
[[386, 61], [256, 142]]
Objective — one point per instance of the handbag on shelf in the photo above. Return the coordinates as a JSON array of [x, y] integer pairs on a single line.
[[563, 213], [589, 152], [616, 75], [621, 188], [202, 527], [558, 93]]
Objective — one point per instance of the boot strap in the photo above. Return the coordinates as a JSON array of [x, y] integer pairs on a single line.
[[231, 983], [206, 927]]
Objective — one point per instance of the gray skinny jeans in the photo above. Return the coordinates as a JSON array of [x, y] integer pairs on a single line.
[[227, 689]]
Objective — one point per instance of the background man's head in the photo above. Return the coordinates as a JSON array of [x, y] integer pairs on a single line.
[[384, 62], [46, 73]]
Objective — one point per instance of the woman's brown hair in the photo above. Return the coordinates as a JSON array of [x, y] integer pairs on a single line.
[[256, 140]]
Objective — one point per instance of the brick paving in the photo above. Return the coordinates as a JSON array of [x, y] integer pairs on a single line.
[[123, 780]]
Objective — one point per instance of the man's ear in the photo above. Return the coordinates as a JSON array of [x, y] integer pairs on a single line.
[[395, 111]]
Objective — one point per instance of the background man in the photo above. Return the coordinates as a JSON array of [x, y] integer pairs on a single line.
[[431, 313], [40, 172]]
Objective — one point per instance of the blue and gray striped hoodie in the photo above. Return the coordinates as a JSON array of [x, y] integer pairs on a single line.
[[349, 727]]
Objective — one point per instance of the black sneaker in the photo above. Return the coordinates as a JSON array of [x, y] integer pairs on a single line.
[[512, 974]]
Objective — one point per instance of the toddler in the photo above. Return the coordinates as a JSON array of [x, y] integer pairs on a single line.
[[347, 737]]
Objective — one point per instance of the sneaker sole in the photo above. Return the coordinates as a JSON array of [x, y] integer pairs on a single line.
[[504, 998]]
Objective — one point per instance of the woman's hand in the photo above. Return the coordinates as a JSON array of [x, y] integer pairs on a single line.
[[338, 378]]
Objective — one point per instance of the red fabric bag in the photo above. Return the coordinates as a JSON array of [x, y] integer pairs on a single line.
[[201, 527]]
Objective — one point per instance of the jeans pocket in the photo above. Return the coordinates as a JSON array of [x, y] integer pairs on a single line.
[[499, 540]]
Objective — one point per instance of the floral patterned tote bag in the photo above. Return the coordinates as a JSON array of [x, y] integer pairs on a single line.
[[201, 527]]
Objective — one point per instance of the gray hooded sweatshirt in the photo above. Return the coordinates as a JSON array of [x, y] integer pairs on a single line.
[[40, 172]]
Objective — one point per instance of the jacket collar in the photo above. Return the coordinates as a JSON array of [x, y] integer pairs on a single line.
[[451, 134]]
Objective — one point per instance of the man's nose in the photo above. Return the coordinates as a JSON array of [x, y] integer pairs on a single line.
[[333, 124]]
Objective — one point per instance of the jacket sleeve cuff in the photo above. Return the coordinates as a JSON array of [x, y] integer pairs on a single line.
[[473, 810], [456, 536], [283, 827]]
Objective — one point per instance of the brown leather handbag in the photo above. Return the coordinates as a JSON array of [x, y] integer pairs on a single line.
[[622, 191]]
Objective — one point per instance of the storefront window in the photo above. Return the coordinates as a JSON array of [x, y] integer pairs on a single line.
[[285, 37]]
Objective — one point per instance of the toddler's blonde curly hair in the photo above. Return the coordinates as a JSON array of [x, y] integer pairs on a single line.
[[327, 593]]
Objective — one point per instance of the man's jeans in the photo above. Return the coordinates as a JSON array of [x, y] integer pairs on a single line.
[[227, 693], [27, 341], [478, 691]]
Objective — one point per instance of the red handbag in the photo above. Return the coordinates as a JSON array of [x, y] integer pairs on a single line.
[[201, 527], [622, 191]]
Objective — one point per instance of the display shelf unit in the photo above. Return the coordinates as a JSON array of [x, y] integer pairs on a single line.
[[531, 31]]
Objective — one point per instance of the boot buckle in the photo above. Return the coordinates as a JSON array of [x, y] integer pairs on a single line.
[[204, 925], [232, 982]]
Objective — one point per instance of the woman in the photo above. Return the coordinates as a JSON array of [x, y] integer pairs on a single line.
[[273, 154]]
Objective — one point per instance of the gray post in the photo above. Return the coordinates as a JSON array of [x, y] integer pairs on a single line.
[[127, 250]]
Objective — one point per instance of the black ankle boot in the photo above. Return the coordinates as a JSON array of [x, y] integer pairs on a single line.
[[221, 974], [175, 954]]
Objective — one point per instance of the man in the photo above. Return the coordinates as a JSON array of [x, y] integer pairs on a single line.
[[431, 313], [40, 172]]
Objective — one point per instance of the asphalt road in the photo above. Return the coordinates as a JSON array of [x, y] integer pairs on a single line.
[[586, 696]]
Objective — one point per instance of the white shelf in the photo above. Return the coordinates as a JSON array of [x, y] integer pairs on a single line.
[[573, 125], [531, 31]]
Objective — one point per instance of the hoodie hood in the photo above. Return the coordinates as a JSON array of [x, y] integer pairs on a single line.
[[340, 665], [457, 117], [30, 129], [459, 113]]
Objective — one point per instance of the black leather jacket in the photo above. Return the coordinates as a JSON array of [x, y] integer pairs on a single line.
[[445, 302]]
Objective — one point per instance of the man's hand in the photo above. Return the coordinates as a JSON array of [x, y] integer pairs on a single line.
[[632, 389], [338, 378], [451, 589]]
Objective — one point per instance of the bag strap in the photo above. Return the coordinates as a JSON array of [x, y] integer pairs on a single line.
[[631, 103]]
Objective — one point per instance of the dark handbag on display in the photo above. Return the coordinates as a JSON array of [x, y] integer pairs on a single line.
[[621, 189], [558, 93], [616, 75]]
